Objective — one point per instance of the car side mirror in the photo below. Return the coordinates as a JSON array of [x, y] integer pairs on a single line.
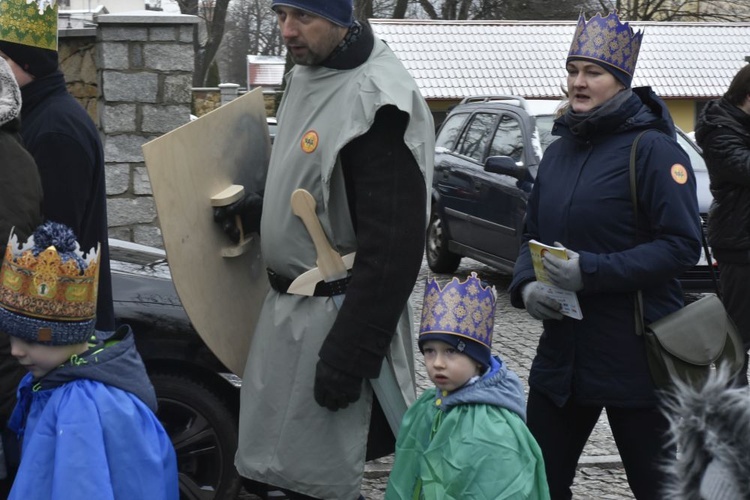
[[504, 165]]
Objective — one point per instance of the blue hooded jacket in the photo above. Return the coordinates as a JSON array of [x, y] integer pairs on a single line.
[[582, 199], [88, 430]]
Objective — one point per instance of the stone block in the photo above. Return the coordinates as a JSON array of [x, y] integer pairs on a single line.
[[136, 56], [148, 235], [124, 148], [125, 211], [130, 87], [163, 119], [119, 118], [121, 233], [83, 90], [141, 181], [178, 88], [125, 34], [117, 178], [163, 34], [187, 32], [114, 55], [169, 56]]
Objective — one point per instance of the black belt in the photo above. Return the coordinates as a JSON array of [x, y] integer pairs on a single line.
[[322, 289]]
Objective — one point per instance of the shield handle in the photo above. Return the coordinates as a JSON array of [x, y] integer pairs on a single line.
[[222, 199]]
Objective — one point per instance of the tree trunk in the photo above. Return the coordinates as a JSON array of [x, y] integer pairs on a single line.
[[205, 51]]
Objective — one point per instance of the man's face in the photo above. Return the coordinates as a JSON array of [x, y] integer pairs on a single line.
[[21, 76], [310, 39]]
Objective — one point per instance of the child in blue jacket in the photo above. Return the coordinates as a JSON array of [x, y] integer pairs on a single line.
[[85, 413], [467, 437]]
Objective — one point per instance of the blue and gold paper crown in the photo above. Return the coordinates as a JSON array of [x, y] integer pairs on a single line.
[[48, 287], [29, 22], [607, 41], [462, 308]]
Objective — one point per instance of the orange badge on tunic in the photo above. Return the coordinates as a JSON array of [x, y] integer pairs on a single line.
[[310, 141], [679, 173]]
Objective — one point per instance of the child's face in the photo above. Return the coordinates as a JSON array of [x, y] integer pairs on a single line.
[[447, 368], [40, 359]]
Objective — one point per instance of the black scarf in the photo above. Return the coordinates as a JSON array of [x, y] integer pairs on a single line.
[[353, 50], [580, 123]]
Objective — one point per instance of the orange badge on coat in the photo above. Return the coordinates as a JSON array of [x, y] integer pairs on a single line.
[[310, 141], [679, 173]]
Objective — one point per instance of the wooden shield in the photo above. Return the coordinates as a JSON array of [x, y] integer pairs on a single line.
[[222, 295]]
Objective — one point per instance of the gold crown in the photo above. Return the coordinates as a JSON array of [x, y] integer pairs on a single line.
[[49, 285], [29, 22]]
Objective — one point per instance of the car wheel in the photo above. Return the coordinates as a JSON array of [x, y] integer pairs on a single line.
[[439, 258], [204, 434]]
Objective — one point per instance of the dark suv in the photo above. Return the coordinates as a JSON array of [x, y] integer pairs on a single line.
[[487, 152]]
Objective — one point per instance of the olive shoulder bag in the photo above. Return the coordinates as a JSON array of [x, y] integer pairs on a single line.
[[690, 342]]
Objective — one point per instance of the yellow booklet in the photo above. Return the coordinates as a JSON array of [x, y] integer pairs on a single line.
[[568, 300], [538, 250]]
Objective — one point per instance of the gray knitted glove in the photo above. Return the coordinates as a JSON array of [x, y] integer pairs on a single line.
[[537, 304], [565, 274]]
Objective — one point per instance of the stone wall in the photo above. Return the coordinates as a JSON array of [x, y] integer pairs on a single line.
[[133, 74], [207, 99], [77, 54], [145, 67]]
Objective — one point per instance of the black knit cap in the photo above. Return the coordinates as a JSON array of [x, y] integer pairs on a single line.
[[36, 61]]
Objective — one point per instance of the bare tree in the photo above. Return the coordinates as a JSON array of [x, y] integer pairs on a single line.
[[676, 10], [207, 34], [251, 30], [641, 10]]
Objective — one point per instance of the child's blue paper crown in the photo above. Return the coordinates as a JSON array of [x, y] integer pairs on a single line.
[[462, 308]]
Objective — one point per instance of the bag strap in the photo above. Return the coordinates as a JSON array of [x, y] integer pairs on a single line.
[[710, 262], [639, 326]]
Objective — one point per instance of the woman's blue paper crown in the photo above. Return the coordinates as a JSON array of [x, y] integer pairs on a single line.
[[607, 40], [466, 309]]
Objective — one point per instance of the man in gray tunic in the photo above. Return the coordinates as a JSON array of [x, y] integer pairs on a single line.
[[356, 133]]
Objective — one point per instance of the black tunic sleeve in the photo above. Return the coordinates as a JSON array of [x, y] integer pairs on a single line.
[[387, 197]]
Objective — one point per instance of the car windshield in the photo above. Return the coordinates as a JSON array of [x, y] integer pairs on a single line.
[[543, 134]]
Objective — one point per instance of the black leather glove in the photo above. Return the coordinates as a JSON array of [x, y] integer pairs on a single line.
[[335, 389], [249, 209]]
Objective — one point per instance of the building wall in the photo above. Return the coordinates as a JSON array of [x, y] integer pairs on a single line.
[[683, 113]]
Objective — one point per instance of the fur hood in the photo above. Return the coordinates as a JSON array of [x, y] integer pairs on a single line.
[[711, 428], [10, 95]]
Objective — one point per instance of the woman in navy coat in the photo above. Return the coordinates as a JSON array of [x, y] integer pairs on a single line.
[[582, 200]]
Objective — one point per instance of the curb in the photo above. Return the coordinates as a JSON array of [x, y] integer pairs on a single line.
[[600, 461]]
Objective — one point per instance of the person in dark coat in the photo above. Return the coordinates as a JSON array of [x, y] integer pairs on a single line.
[[61, 137], [723, 132], [21, 210], [581, 199]]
